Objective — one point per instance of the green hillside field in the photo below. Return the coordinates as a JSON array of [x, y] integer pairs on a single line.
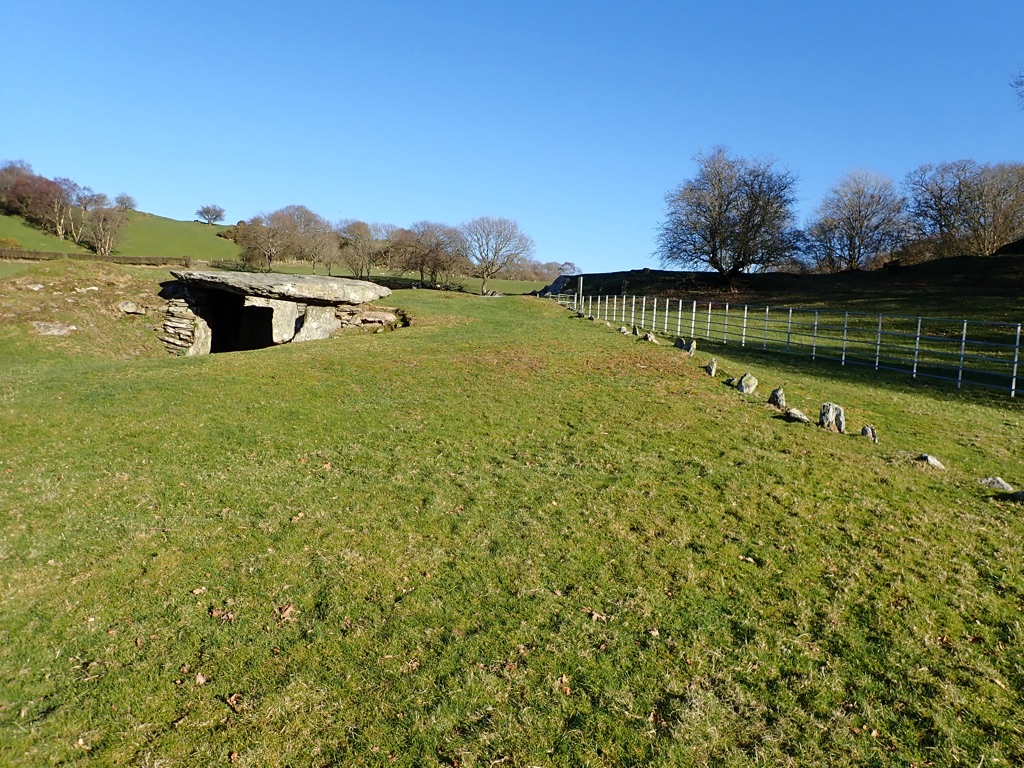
[[145, 234], [502, 536]]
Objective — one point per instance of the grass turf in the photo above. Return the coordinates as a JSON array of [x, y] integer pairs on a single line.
[[500, 536]]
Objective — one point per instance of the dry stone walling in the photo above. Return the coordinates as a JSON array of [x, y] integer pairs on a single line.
[[231, 311]]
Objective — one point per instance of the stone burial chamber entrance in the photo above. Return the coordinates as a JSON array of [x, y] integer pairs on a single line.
[[209, 312]]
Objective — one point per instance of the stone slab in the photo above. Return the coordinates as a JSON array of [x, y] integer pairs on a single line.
[[310, 289]]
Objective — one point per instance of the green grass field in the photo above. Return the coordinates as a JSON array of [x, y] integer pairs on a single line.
[[145, 234], [149, 235], [501, 536], [32, 239]]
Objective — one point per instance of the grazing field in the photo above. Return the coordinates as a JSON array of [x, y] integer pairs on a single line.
[[501, 536], [144, 234]]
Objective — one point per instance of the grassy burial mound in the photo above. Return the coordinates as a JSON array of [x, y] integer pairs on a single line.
[[500, 536]]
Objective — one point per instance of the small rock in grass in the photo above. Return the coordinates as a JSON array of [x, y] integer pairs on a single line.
[[777, 398], [130, 308], [870, 432], [795, 414], [636, 330], [679, 343], [747, 384], [996, 484], [691, 348], [730, 382], [624, 330], [650, 337], [34, 287], [832, 417], [931, 461], [591, 318], [712, 367]]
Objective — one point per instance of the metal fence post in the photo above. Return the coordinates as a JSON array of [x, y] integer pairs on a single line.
[[878, 343], [693, 320], [654, 316], [765, 344], [814, 339], [789, 329], [917, 347], [679, 320], [963, 347], [846, 326], [725, 325], [632, 312], [667, 310], [708, 334], [1016, 358], [643, 311], [743, 338]]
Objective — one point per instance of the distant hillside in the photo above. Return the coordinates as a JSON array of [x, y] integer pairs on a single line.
[[145, 234]]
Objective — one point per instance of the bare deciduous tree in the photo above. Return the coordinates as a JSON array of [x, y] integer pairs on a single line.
[[264, 239], [103, 226], [735, 215], [860, 218], [493, 246], [434, 252], [211, 214], [963, 208], [363, 246], [310, 236], [125, 202], [1017, 84]]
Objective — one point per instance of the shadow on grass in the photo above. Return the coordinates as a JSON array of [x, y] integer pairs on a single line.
[[895, 381]]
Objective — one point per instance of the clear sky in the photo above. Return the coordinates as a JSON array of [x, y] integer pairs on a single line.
[[573, 118]]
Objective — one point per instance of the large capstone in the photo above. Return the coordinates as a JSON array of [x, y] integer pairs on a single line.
[[306, 289]]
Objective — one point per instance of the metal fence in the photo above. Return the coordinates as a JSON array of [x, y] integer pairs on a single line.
[[966, 352]]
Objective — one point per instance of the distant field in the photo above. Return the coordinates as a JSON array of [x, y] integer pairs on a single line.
[[502, 536], [149, 235], [32, 239], [144, 235]]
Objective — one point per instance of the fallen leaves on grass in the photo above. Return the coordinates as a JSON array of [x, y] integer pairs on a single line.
[[286, 614], [235, 702], [223, 614]]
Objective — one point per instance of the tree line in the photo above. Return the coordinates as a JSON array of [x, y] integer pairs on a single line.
[[63, 207], [439, 254], [738, 215]]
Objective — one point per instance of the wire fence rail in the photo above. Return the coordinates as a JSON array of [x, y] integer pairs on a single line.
[[965, 352]]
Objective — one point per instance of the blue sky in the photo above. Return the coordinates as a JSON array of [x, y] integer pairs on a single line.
[[573, 118]]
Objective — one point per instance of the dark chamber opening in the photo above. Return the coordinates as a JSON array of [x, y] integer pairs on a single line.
[[235, 327]]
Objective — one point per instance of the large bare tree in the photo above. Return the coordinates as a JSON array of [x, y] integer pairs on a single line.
[[964, 208], [435, 252], [264, 239], [103, 226], [310, 236], [859, 219], [362, 246], [735, 215], [494, 246]]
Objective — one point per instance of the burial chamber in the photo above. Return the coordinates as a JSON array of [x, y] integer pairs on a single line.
[[210, 312]]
